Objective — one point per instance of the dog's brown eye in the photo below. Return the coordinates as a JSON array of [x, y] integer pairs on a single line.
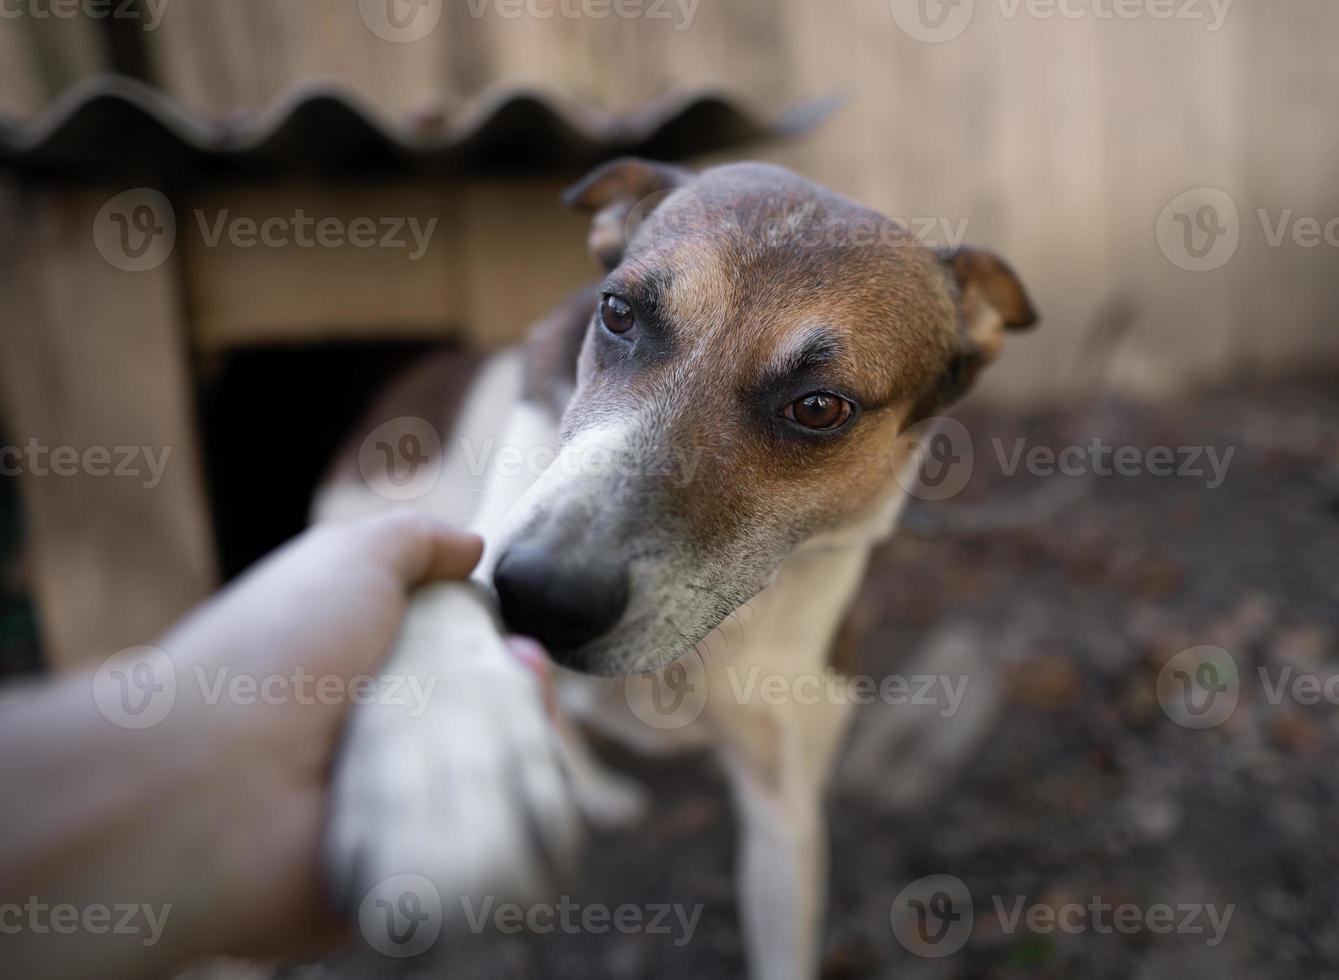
[[819, 411], [616, 314]]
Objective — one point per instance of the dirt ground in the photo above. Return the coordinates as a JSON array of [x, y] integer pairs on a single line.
[[1061, 780]]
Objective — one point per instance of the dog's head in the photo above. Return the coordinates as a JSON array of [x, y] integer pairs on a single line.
[[759, 346]]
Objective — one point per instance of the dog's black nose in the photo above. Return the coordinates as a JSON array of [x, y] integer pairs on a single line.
[[562, 605]]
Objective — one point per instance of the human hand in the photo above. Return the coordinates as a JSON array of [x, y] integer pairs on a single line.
[[217, 810], [320, 615]]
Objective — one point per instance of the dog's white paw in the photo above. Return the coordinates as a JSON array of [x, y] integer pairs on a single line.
[[446, 800]]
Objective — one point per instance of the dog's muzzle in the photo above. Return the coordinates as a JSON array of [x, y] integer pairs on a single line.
[[564, 605]]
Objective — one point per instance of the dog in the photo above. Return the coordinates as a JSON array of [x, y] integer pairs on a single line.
[[721, 426]]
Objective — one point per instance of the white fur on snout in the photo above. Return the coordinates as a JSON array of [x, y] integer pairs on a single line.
[[516, 466], [599, 470], [585, 478]]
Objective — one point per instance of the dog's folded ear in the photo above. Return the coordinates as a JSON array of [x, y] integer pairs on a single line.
[[620, 194], [991, 300], [991, 297]]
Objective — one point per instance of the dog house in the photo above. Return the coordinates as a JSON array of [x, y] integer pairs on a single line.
[[146, 249]]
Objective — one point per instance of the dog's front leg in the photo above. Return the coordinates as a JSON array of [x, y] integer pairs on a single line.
[[779, 772], [461, 797], [778, 748], [455, 794], [781, 880]]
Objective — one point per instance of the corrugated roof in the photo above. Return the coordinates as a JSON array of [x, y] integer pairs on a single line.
[[111, 127]]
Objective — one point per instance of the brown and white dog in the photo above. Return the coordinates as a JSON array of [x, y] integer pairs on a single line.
[[721, 421]]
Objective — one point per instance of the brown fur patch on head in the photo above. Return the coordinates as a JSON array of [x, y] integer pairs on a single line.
[[733, 297], [748, 264]]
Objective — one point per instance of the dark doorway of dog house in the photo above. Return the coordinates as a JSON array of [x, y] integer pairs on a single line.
[[20, 651], [273, 419]]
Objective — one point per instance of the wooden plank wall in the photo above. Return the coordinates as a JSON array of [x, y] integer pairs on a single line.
[[92, 359], [1058, 140], [498, 255]]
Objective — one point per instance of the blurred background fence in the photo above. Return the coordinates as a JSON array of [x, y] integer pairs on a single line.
[[1058, 139], [1160, 172]]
